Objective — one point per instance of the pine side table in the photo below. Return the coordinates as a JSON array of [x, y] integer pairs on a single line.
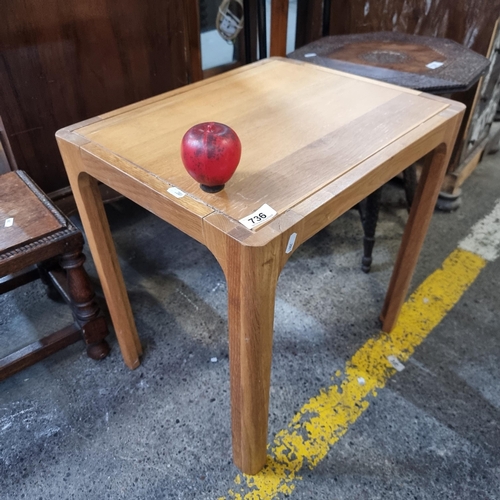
[[315, 142]]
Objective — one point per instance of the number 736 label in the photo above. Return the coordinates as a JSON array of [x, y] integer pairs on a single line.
[[263, 214]]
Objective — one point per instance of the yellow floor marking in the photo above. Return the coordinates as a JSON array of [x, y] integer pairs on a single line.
[[325, 418]]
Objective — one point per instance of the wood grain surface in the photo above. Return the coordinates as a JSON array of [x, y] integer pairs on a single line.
[[31, 219], [302, 119]]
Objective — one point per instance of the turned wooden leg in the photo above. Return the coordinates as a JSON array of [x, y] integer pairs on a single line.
[[369, 210], [84, 305]]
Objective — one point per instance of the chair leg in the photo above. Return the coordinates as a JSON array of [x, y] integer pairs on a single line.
[[84, 305], [368, 211]]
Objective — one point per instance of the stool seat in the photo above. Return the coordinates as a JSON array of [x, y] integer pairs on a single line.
[[39, 242], [430, 64], [27, 218]]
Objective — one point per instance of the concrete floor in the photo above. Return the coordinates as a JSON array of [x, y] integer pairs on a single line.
[[73, 428]]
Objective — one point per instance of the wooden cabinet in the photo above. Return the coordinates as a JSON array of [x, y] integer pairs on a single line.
[[62, 61]]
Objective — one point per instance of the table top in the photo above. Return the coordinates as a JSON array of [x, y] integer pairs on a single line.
[[301, 127], [431, 64]]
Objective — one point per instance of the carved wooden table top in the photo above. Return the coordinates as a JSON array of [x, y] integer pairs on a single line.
[[315, 142], [436, 65]]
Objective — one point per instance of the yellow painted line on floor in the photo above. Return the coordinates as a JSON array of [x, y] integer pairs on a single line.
[[325, 418]]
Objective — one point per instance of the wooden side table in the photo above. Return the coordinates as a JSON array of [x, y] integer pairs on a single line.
[[38, 242], [315, 143]]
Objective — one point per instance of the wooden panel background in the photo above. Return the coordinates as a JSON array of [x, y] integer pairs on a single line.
[[309, 21], [62, 61]]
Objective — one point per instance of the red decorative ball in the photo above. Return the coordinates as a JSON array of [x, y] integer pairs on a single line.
[[211, 152]]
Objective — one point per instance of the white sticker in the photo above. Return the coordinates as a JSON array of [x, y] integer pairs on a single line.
[[291, 242], [396, 363], [434, 65], [176, 192], [9, 222], [263, 214], [310, 54]]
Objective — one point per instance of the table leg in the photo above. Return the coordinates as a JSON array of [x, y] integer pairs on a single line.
[[101, 245], [415, 232], [252, 275], [252, 280], [94, 220]]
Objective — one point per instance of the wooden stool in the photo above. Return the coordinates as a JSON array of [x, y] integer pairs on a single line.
[[37, 241], [429, 64]]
